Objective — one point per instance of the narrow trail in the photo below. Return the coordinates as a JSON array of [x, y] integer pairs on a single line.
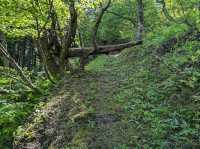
[[119, 102], [92, 111], [83, 104]]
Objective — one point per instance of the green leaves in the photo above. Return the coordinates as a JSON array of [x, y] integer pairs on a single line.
[[16, 103], [14, 19]]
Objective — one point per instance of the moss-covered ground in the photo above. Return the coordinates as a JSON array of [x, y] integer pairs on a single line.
[[156, 100], [137, 99]]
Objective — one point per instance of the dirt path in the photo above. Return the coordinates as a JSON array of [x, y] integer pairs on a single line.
[[83, 102], [116, 104]]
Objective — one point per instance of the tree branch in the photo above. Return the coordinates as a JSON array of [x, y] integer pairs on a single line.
[[98, 22], [165, 11], [18, 68], [71, 33]]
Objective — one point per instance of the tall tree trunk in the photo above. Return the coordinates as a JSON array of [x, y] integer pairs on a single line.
[[97, 24], [69, 38], [140, 20]]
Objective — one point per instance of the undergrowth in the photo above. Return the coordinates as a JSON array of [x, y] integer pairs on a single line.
[[155, 97], [159, 96], [17, 102]]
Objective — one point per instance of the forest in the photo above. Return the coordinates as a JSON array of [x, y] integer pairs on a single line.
[[99, 74]]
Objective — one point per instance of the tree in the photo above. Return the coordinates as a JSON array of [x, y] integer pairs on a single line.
[[56, 32], [184, 11], [140, 20], [57, 62], [28, 82]]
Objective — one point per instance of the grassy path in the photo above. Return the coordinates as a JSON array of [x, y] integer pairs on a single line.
[[135, 100]]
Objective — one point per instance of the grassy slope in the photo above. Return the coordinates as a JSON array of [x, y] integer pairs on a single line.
[[155, 97], [136, 100], [155, 103], [155, 100]]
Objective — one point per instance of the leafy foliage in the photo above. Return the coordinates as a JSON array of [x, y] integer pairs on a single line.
[[159, 95], [16, 103], [156, 97]]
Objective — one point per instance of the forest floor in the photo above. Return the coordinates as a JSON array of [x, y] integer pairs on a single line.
[[138, 99]]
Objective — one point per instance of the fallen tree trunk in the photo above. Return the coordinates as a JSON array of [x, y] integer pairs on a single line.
[[79, 52], [107, 49]]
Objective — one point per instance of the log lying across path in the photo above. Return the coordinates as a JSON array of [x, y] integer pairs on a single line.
[[107, 49], [79, 52]]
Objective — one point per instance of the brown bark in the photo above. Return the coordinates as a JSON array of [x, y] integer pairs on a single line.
[[58, 61], [82, 60], [49, 52], [98, 22], [48, 44], [69, 36], [79, 52], [140, 20], [84, 57], [48, 75]]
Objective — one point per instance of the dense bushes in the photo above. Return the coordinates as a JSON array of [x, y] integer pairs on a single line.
[[16, 103]]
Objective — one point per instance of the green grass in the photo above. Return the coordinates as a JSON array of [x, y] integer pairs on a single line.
[[156, 97], [162, 34], [17, 102], [159, 97]]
